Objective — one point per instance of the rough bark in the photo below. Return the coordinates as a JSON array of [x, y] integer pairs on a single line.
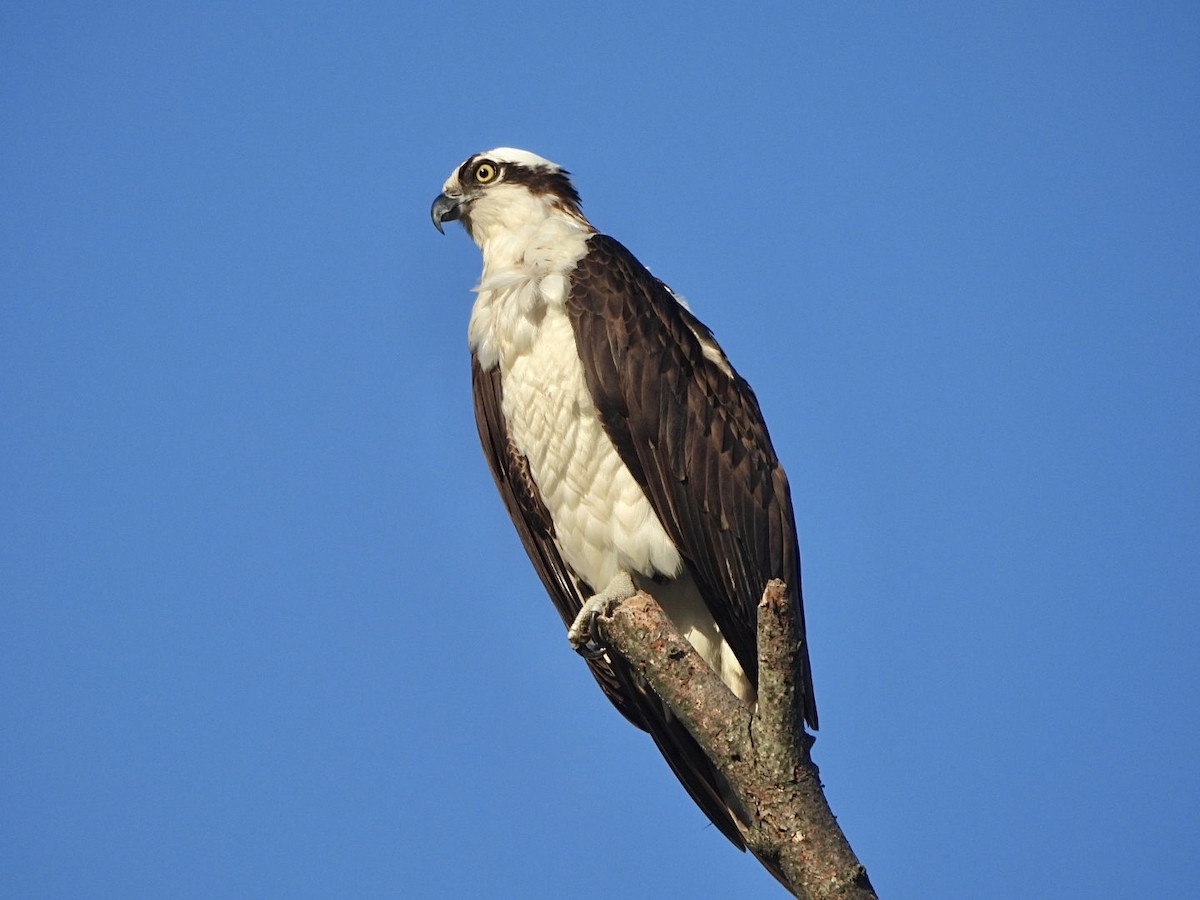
[[763, 753]]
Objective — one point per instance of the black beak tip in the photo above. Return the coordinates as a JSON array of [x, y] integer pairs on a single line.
[[444, 208]]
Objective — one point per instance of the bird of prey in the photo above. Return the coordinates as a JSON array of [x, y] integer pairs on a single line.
[[628, 451]]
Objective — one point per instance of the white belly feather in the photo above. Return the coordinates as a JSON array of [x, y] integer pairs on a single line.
[[603, 522]]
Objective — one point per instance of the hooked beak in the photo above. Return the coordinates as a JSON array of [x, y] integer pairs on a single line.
[[446, 208]]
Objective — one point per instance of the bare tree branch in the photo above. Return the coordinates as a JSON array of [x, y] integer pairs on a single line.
[[763, 753]]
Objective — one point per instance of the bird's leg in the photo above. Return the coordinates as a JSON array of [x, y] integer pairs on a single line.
[[582, 633]]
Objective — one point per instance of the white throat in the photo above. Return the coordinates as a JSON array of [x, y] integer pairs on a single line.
[[527, 254]]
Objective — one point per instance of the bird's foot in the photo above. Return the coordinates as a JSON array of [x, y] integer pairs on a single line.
[[583, 634]]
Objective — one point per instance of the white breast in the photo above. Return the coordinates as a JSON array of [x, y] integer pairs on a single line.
[[602, 518], [603, 522]]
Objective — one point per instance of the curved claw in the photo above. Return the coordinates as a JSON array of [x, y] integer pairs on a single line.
[[584, 634], [590, 647]]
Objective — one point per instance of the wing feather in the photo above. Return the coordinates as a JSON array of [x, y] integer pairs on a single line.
[[690, 430]]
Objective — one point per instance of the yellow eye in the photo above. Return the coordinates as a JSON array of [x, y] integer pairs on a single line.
[[485, 172]]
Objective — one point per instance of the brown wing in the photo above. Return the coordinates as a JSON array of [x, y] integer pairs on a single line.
[[630, 694], [690, 430]]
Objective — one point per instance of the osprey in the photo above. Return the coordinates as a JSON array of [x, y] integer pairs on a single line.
[[628, 451]]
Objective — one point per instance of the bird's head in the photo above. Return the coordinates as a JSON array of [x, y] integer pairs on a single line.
[[505, 189]]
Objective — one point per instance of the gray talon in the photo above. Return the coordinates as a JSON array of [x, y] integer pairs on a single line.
[[583, 633], [591, 648]]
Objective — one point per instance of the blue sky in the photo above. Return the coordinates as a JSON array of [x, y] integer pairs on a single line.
[[265, 629]]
